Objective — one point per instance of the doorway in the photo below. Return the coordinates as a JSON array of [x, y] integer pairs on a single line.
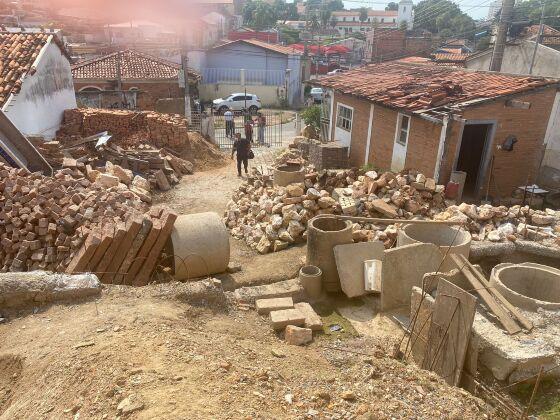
[[472, 156]]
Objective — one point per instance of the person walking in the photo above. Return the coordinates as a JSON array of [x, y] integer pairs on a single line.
[[249, 130], [261, 125], [242, 147], [230, 123]]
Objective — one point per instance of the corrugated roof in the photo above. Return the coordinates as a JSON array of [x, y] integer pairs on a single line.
[[282, 49], [134, 65], [18, 52], [419, 87]]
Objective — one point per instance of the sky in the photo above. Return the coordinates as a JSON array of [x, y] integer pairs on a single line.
[[479, 11]]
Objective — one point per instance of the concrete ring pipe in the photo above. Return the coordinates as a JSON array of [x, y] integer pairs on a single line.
[[288, 174], [200, 245]]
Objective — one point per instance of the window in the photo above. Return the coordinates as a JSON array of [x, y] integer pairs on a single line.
[[353, 19], [404, 9], [239, 98], [382, 20], [344, 19], [404, 127], [344, 118], [350, 30]]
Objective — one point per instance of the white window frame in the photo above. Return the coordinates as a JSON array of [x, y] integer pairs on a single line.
[[399, 130], [341, 119]]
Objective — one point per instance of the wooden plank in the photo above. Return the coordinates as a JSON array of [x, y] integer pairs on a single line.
[[117, 258], [143, 276], [507, 321], [527, 324], [450, 332], [107, 257], [134, 248]]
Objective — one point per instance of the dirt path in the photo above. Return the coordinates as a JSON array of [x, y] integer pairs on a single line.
[[170, 360]]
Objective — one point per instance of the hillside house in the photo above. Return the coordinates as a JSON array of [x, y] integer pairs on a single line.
[[436, 119], [128, 79], [36, 81]]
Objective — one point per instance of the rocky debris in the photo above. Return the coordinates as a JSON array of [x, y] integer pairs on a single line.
[[45, 220], [130, 405], [298, 336], [271, 219]]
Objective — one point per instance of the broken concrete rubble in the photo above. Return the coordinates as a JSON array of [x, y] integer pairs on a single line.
[[298, 336]]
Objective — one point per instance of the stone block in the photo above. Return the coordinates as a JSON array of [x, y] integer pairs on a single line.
[[281, 319], [312, 320], [265, 306], [298, 336], [384, 208]]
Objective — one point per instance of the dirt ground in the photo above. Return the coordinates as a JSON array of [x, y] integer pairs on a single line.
[[159, 357], [141, 353]]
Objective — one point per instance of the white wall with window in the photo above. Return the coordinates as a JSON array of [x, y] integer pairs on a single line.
[[343, 127], [400, 145]]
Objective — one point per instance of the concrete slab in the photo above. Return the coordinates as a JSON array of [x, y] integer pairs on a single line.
[[404, 268], [265, 306], [372, 275], [287, 288], [312, 320], [350, 264], [281, 319]]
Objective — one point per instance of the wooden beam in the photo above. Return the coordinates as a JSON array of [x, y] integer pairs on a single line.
[[507, 321], [527, 324]]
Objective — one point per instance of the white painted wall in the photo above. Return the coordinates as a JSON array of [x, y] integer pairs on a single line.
[[269, 95], [552, 137], [38, 108], [399, 150], [341, 135]]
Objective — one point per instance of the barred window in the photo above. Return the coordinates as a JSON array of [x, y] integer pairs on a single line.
[[344, 118], [402, 135]]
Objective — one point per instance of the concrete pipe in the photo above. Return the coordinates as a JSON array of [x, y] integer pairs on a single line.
[[310, 278], [200, 245], [288, 174], [442, 236], [323, 233], [529, 286]]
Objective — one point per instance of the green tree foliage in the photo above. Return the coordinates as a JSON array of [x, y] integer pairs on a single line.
[[483, 43], [285, 11], [392, 6], [363, 14], [312, 116], [325, 17], [443, 17], [530, 10], [289, 35], [335, 5], [259, 14]]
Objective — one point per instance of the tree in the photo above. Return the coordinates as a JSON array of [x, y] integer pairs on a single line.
[[333, 22], [264, 16], [289, 35], [335, 5], [392, 6], [530, 10], [248, 12], [313, 23], [312, 116], [483, 43], [363, 14], [325, 17], [443, 17], [285, 11]]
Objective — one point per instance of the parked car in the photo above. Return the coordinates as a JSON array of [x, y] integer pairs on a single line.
[[318, 94], [335, 71], [237, 102]]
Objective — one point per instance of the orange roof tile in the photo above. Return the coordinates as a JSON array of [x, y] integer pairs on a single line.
[[419, 87], [133, 65], [450, 58], [18, 52]]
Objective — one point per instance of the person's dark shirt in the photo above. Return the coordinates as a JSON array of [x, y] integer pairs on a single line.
[[241, 147]]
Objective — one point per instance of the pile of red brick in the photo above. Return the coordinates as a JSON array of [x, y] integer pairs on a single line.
[[44, 220], [127, 252], [127, 127]]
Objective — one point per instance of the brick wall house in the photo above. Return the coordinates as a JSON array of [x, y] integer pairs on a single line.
[[436, 120], [144, 78]]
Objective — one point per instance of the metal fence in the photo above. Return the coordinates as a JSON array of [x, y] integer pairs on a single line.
[[271, 133]]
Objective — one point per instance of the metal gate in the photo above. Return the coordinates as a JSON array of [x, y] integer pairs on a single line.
[[225, 136]]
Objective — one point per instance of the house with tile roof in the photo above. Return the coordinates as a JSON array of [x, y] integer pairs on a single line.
[[35, 80], [435, 119], [129, 79], [273, 72]]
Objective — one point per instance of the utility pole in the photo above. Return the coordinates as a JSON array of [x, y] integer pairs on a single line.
[[501, 35], [538, 40], [184, 64]]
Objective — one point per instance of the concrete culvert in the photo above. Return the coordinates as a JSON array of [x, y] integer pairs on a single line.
[[200, 245], [288, 174], [323, 233], [310, 278], [529, 286], [443, 236]]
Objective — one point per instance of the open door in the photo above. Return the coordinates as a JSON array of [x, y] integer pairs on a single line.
[[472, 156]]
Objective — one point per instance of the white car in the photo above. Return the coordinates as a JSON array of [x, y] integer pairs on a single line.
[[334, 72], [237, 102], [318, 94]]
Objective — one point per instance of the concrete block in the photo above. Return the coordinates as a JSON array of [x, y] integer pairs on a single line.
[[265, 306], [287, 288], [312, 320], [350, 264], [372, 275], [281, 319], [298, 336], [403, 268]]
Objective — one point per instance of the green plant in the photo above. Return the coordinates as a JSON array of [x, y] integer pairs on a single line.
[[312, 116]]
